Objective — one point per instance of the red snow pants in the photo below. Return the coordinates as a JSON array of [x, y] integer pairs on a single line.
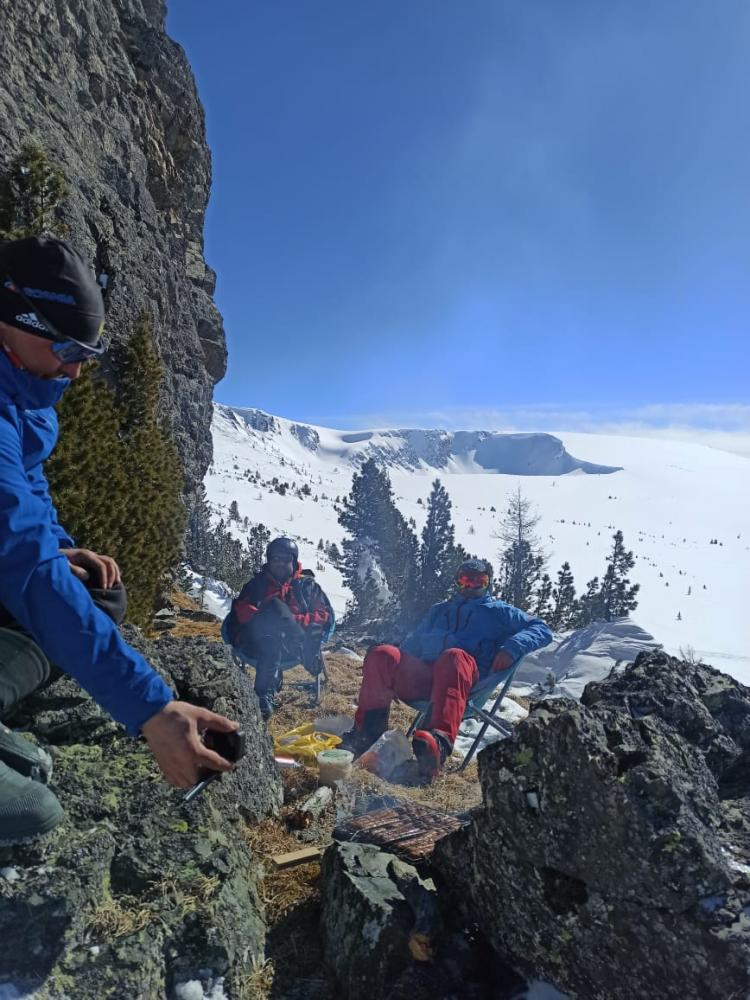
[[389, 673]]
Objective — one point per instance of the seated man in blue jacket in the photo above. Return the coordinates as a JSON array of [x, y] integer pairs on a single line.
[[458, 642], [51, 319]]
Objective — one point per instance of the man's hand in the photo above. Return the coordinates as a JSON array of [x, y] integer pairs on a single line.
[[85, 563], [174, 738], [501, 662]]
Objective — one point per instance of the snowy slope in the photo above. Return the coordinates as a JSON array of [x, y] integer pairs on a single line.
[[669, 498]]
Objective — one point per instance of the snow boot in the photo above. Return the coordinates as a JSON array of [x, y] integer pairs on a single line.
[[359, 740], [432, 749], [28, 809], [24, 756]]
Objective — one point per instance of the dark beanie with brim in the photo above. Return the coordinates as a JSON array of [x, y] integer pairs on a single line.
[[53, 278]]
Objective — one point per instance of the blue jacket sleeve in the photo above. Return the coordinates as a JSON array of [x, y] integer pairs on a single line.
[[527, 635], [39, 590], [40, 488]]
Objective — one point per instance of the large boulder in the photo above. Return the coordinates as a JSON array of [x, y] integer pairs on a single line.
[[611, 855], [137, 893], [377, 913]]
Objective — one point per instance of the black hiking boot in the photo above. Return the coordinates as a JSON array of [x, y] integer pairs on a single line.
[[28, 809], [266, 699], [359, 740], [24, 756], [432, 749]]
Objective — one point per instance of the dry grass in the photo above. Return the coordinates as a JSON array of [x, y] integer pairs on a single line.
[[285, 888], [118, 917], [182, 600], [292, 903], [185, 628]]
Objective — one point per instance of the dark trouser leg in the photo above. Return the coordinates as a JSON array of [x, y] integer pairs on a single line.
[[23, 668], [272, 637]]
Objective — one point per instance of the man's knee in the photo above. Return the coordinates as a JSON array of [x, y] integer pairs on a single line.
[[23, 668], [456, 662], [381, 656]]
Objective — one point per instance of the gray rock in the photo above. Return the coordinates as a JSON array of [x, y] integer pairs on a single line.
[[136, 891], [113, 100], [372, 902], [610, 855]]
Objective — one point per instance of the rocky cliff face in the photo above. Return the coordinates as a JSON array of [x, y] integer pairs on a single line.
[[100, 85]]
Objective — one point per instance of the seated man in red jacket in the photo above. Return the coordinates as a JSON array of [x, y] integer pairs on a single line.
[[458, 642], [280, 615]]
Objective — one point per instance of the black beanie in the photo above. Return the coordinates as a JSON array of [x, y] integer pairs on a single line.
[[45, 279]]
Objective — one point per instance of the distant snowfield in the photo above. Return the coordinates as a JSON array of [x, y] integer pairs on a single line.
[[669, 498]]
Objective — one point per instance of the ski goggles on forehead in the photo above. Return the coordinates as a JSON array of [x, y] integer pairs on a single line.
[[67, 351], [473, 581]]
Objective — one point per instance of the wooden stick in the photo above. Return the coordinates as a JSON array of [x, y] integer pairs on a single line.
[[301, 857]]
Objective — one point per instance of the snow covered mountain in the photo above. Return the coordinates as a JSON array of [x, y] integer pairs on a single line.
[[682, 508]]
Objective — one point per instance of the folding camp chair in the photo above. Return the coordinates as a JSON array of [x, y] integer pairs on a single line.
[[241, 658], [475, 708]]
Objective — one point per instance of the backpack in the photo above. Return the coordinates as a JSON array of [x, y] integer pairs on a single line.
[[308, 593]]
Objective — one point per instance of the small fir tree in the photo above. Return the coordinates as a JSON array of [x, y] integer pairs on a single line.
[[543, 598], [116, 477], [522, 558], [618, 597], [439, 555], [564, 611], [31, 192]]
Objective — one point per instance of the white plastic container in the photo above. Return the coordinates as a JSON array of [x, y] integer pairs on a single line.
[[334, 765]]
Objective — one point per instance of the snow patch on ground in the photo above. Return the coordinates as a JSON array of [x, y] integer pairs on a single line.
[[214, 596]]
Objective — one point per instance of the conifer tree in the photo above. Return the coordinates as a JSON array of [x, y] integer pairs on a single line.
[[564, 611], [589, 605], [618, 597], [234, 511], [543, 598], [258, 539], [439, 555], [156, 518], [31, 192], [198, 531], [379, 539], [87, 471], [115, 475], [522, 558]]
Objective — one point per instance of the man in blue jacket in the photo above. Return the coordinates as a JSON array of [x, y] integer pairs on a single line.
[[457, 643], [51, 319]]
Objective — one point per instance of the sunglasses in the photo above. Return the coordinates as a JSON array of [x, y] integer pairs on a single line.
[[67, 351], [473, 581]]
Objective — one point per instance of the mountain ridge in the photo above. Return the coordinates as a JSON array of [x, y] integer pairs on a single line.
[[502, 453]]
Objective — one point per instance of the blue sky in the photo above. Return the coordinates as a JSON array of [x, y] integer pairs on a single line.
[[506, 211]]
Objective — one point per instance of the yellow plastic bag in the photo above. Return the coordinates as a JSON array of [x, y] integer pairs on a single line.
[[304, 744]]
